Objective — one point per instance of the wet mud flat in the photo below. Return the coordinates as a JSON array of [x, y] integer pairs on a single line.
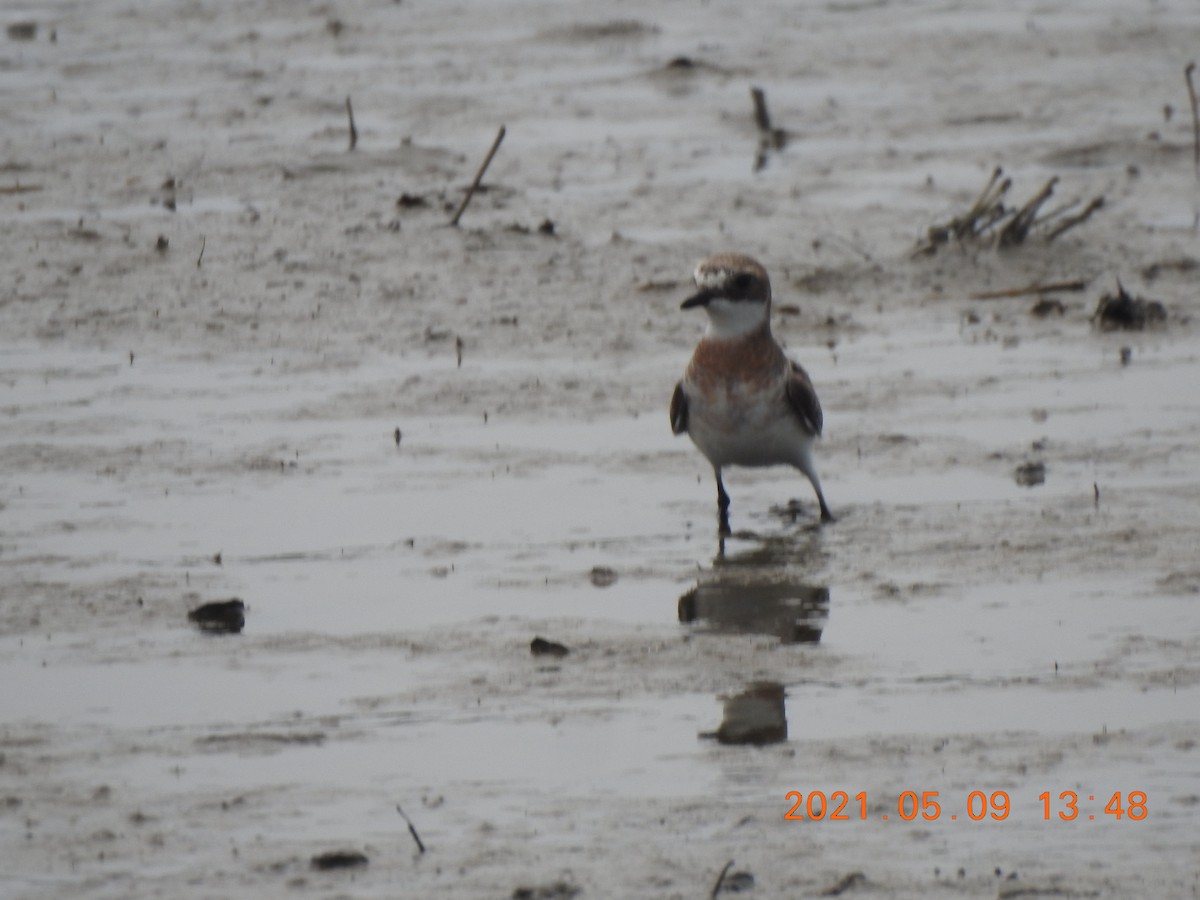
[[244, 362]]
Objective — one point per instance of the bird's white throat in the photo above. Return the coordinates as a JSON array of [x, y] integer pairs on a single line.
[[734, 318]]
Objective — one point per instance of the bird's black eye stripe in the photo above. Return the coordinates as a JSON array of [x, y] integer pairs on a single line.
[[742, 281]]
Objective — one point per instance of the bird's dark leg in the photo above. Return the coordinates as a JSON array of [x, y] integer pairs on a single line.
[[806, 466], [826, 515], [722, 506]]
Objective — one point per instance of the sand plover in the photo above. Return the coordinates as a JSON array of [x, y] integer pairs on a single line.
[[742, 401]]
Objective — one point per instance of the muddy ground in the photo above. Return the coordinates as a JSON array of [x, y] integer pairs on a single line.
[[239, 359]]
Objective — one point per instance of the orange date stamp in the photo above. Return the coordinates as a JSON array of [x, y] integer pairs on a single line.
[[977, 806]]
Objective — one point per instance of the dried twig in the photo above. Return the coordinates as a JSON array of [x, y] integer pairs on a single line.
[[769, 138], [411, 829], [989, 206], [1056, 213], [353, 130], [1078, 218], [1187, 76], [1074, 284], [761, 117], [844, 884], [1018, 228], [203, 242], [983, 214], [720, 880], [1017, 225], [478, 176]]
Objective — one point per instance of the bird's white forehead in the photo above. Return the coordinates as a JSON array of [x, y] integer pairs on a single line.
[[709, 277]]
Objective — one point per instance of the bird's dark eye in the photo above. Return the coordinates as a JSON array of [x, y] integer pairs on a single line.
[[742, 281]]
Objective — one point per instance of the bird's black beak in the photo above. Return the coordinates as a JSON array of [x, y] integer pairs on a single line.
[[699, 299]]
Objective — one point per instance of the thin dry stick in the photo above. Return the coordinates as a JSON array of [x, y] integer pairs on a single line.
[[1074, 284], [768, 138], [353, 130], [479, 176], [992, 192], [1056, 212], [980, 221], [988, 208], [1016, 230], [1078, 218], [1187, 76], [844, 884], [720, 881], [203, 242], [988, 205], [761, 117], [411, 829]]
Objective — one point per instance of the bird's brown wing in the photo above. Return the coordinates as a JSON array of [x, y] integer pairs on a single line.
[[803, 400], [679, 410]]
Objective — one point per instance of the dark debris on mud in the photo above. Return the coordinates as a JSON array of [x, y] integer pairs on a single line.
[[1124, 311], [1031, 474], [220, 616], [845, 883], [558, 890], [339, 859], [539, 646]]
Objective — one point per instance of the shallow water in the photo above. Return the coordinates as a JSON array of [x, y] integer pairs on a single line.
[[333, 533]]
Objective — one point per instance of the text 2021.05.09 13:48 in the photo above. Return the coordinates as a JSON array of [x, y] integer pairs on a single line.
[[1067, 806]]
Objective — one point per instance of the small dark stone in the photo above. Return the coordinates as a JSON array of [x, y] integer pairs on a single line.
[[338, 859], [22, 31], [1031, 474], [220, 617], [539, 646], [603, 576], [547, 227], [559, 890], [411, 201], [161, 244], [736, 882], [1047, 306]]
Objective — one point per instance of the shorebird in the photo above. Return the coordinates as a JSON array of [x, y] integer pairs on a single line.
[[741, 400]]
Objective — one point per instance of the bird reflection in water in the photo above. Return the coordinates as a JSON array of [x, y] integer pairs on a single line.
[[763, 590], [755, 716]]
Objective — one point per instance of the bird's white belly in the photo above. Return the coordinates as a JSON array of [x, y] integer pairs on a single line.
[[736, 429]]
